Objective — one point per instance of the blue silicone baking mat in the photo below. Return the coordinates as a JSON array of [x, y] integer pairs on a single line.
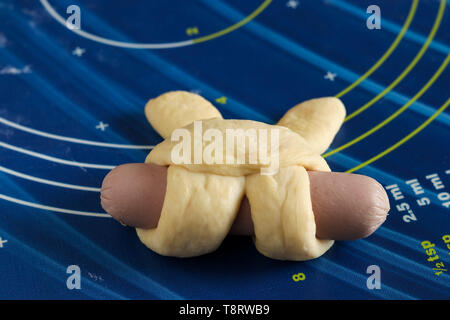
[[71, 108]]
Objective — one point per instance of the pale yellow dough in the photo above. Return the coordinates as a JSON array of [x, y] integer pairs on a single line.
[[202, 200], [175, 109], [198, 211]]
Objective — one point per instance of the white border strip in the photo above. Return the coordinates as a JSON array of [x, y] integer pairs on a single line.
[[57, 160], [54, 209], [50, 182], [69, 139]]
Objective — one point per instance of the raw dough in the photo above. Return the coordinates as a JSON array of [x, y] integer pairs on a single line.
[[316, 120], [202, 200], [198, 211], [175, 109]]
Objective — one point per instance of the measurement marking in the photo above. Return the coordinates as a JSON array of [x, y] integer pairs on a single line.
[[395, 114], [222, 100], [438, 269], [57, 160], [402, 141], [69, 139], [122, 44], [49, 182], [408, 69], [436, 181], [54, 209], [298, 277], [387, 54], [235, 26], [192, 31]]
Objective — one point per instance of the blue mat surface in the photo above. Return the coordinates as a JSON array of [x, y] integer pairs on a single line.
[[71, 108]]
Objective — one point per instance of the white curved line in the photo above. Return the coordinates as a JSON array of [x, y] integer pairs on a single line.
[[50, 182], [69, 139], [54, 209], [57, 160], [92, 37]]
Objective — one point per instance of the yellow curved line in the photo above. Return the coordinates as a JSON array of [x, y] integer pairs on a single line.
[[234, 26], [405, 72], [402, 141], [411, 14], [395, 114], [178, 44]]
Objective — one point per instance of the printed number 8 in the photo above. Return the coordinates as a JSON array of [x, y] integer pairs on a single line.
[[298, 277]]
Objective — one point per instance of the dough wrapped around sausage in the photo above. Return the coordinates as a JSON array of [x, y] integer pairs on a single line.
[[203, 198]]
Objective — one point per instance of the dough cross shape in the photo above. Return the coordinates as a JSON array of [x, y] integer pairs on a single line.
[[202, 200]]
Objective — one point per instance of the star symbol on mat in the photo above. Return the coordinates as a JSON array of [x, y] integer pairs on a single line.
[[2, 242], [102, 126], [14, 71], [292, 4], [330, 76], [78, 51]]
